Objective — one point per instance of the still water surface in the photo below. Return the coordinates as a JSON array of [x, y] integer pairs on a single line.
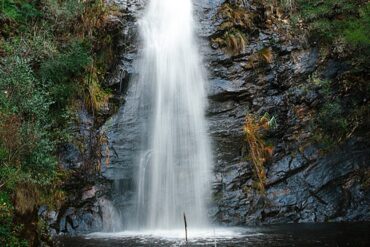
[[329, 234]]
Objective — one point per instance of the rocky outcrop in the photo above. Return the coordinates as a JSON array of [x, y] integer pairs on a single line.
[[256, 64], [271, 73], [88, 204]]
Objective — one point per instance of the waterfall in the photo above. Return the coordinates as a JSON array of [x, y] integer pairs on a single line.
[[174, 161]]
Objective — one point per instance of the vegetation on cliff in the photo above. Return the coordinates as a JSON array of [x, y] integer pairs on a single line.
[[53, 54], [339, 29]]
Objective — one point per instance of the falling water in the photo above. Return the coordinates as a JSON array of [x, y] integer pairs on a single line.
[[174, 164]]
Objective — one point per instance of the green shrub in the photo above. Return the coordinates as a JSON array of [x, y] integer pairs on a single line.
[[331, 19], [8, 231], [331, 118], [60, 70], [36, 46], [21, 93], [53, 53], [19, 10], [67, 64], [63, 12], [24, 136], [358, 30]]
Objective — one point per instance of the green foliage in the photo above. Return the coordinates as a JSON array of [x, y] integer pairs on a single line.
[[64, 11], [325, 85], [8, 230], [18, 10], [333, 19], [358, 30], [34, 46], [20, 93], [60, 68], [288, 4], [331, 118], [341, 28], [52, 53], [65, 65], [95, 96], [25, 103], [337, 118], [15, 15]]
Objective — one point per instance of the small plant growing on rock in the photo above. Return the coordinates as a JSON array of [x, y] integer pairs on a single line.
[[237, 22], [234, 15], [232, 42], [263, 56], [259, 151]]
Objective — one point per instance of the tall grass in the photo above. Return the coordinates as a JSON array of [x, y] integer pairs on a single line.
[[259, 151]]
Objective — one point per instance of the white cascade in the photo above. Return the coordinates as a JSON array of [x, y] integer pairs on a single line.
[[175, 163]]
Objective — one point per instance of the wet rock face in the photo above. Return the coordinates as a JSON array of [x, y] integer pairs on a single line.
[[303, 183], [88, 206], [88, 195], [269, 74], [121, 132], [92, 214]]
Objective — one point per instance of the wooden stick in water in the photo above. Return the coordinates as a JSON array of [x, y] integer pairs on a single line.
[[186, 229]]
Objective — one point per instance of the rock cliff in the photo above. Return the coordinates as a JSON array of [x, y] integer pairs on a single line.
[[257, 64]]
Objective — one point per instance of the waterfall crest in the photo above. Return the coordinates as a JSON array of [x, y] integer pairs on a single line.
[[174, 162]]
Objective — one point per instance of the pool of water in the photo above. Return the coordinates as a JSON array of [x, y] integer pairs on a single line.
[[328, 234]]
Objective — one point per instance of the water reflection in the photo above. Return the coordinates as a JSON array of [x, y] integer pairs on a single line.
[[328, 234]]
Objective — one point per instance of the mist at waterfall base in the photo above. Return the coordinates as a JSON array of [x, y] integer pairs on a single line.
[[326, 234]]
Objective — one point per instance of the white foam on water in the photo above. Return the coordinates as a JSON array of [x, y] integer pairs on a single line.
[[174, 235]]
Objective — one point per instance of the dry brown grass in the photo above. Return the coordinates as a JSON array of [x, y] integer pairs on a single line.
[[236, 23], [259, 151], [264, 56], [12, 140], [267, 55], [103, 140], [26, 198], [235, 16], [233, 42]]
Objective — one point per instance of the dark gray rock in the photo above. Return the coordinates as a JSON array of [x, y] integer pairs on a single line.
[[89, 207], [70, 157], [303, 184], [307, 61]]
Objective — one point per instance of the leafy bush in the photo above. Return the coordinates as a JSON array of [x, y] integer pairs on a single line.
[[35, 46], [52, 53], [24, 136], [331, 118], [7, 228], [63, 66], [331, 19], [357, 30], [95, 97], [65, 11], [59, 69], [19, 10], [19, 93]]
